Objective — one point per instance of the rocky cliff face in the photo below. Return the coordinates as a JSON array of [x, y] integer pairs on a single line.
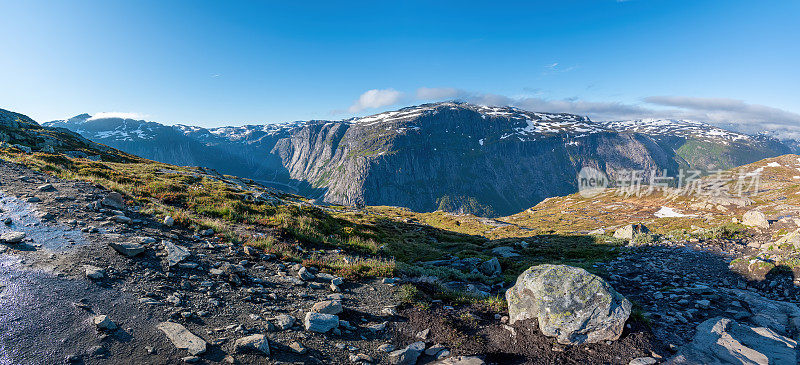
[[451, 156]]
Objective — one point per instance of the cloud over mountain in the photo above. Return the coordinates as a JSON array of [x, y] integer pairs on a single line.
[[376, 98]]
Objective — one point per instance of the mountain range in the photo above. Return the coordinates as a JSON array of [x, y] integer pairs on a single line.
[[449, 156]]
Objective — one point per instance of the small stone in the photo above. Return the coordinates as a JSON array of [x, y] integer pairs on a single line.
[[175, 253], [12, 237], [72, 359], [97, 351], [46, 187], [320, 322], [128, 249], [434, 350], [298, 348], [114, 200], [408, 355], [328, 307], [643, 361], [94, 272], [104, 323], [304, 274], [182, 338], [386, 348], [378, 327], [190, 359], [168, 221], [256, 342], [284, 322]]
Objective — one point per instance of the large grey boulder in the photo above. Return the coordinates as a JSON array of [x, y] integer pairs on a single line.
[[725, 341], [182, 338], [755, 218], [570, 304], [630, 231]]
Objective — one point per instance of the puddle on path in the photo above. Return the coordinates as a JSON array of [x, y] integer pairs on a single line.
[[50, 235], [39, 321]]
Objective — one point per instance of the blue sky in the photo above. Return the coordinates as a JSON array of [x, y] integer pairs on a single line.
[[214, 63]]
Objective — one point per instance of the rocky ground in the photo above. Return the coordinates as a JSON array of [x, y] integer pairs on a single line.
[[85, 278], [64, 274]]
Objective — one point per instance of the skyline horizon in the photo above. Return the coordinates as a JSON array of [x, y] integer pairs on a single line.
[[140, 118]]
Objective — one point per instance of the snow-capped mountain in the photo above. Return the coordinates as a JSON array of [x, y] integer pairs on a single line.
[[677, 128], [454, 156]]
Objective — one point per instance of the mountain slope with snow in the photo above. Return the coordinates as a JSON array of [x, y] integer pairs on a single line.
[[452, 156]]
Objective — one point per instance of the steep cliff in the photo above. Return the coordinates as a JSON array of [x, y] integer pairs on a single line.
[[450, 156]]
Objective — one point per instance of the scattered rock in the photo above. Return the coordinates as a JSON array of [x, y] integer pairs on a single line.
[[175, 253], [328, 307], [320, 322], [725, 341], [386, 347], [256, 342], [12, 237], [94, 272], [104, 323], [570, 304], [284, 322], [182, 338], [408, 355], [460, 360], [121, 219], [643, 361], [114, 200], [755, 218], [491, 267], [304, 274], [169, 221], [128, 249], [298, 348], [505, 252], [630, 231], [46, 187]]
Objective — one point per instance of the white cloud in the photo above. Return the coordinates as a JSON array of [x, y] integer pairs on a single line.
[[437, 93], [122, 115], [732, 113], [376, 98]]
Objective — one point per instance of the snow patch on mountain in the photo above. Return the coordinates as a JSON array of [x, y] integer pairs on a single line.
[[680, 128]]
